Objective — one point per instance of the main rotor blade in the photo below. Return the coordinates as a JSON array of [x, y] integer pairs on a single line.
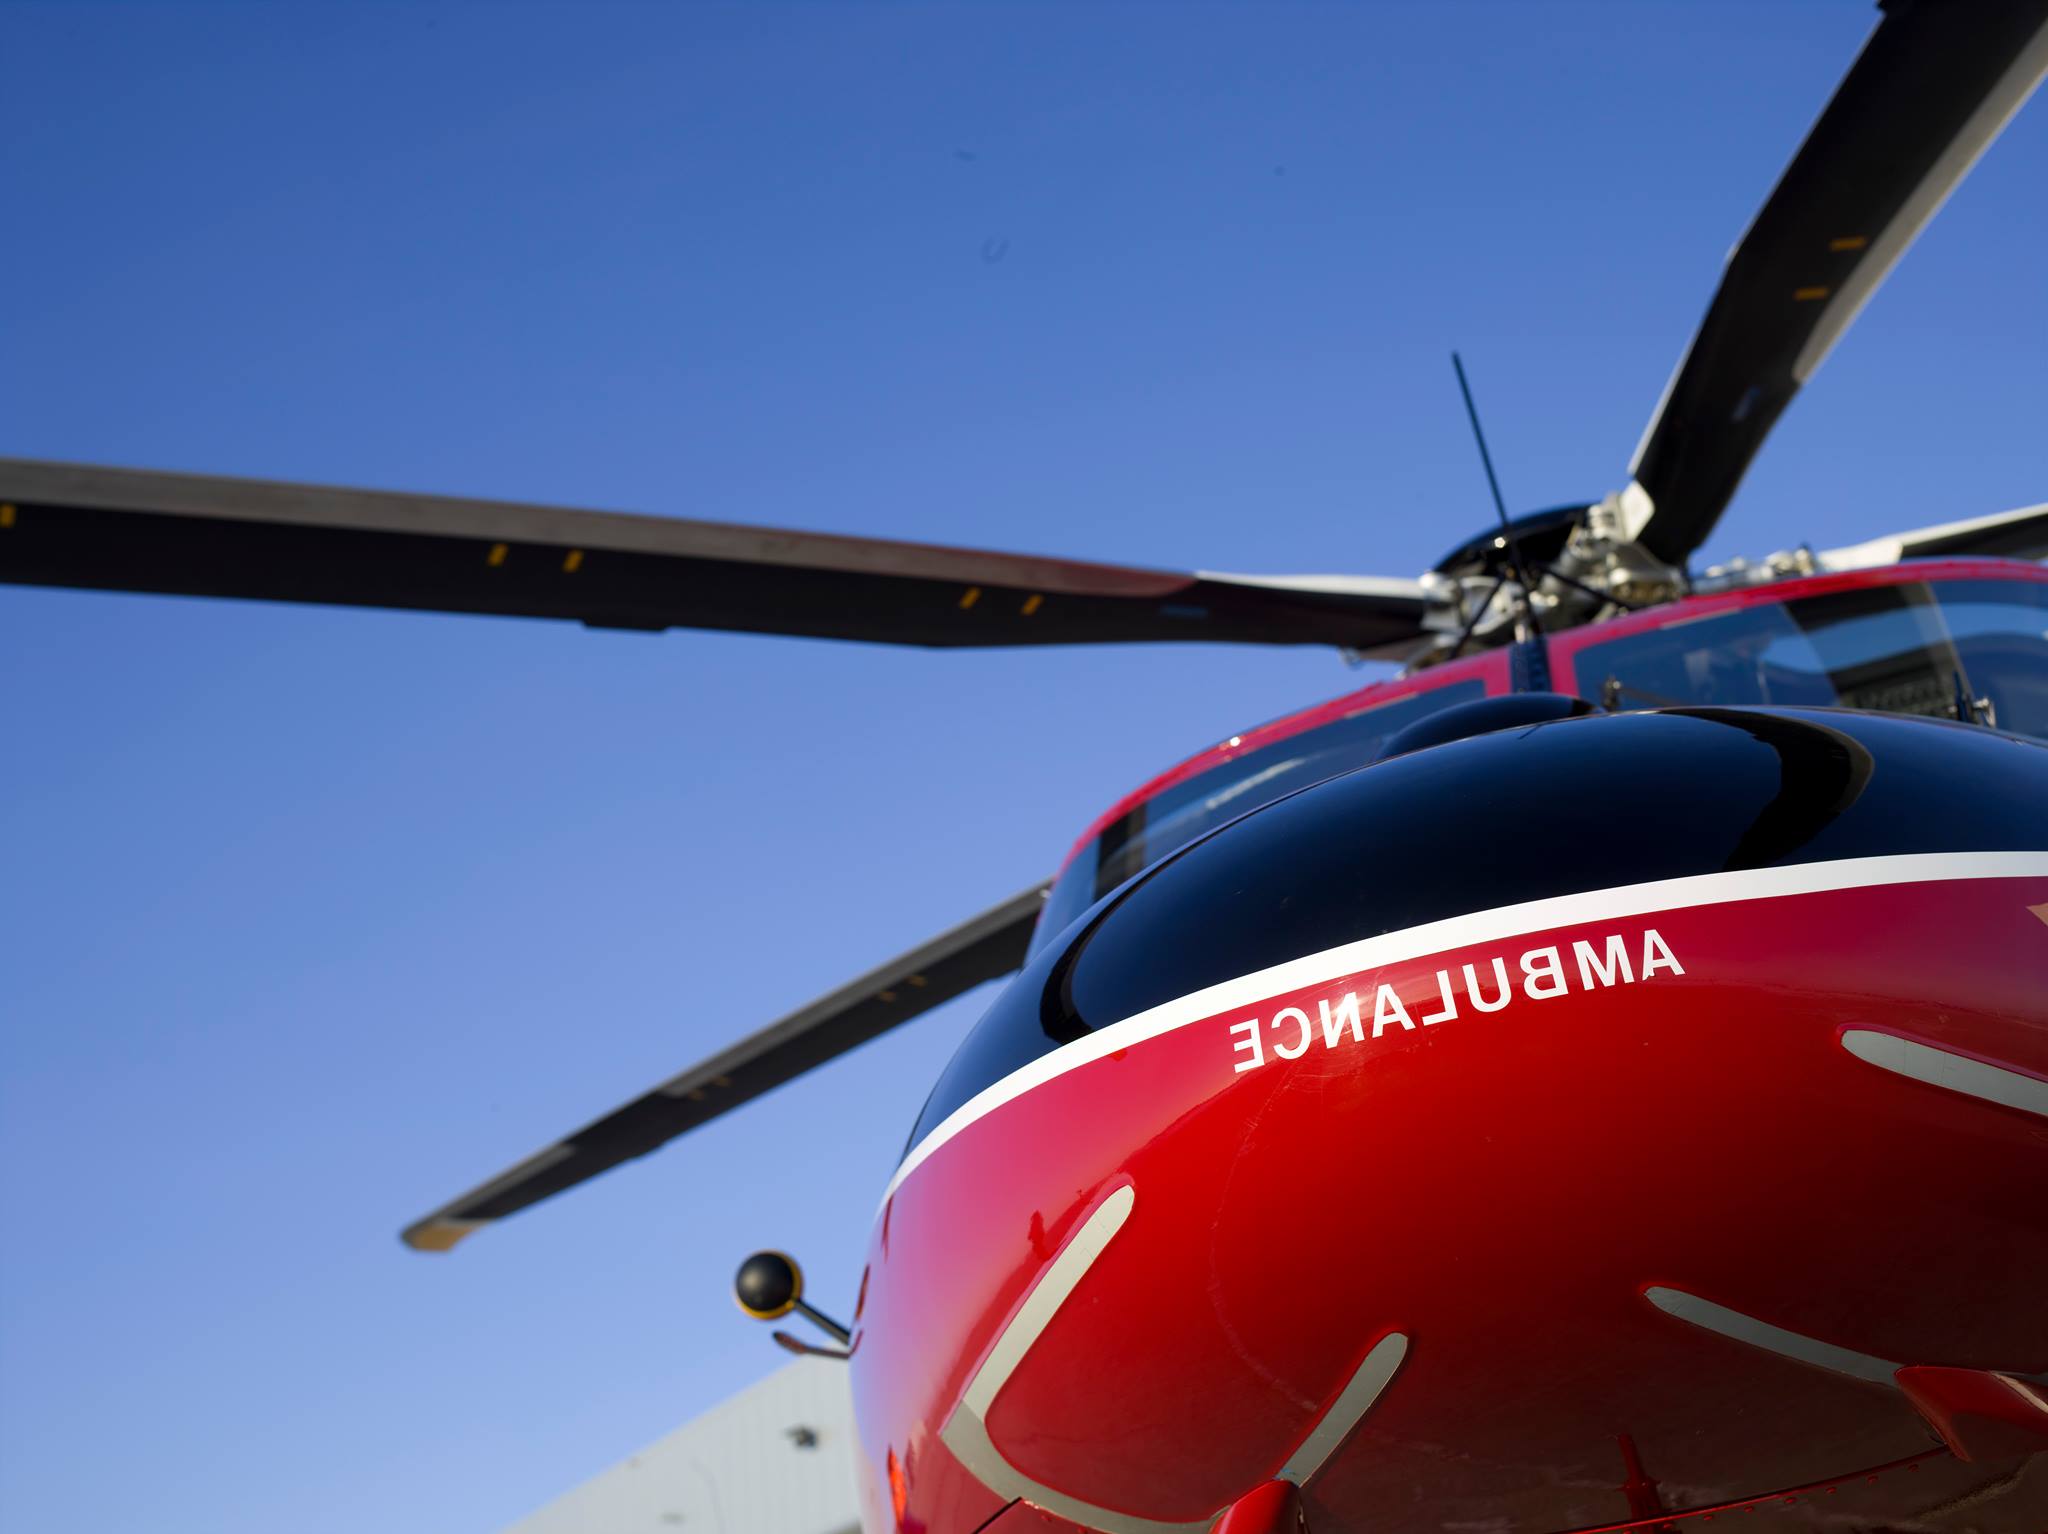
[[1931, 89], [2021, 534], [979, 949], [129, 530]]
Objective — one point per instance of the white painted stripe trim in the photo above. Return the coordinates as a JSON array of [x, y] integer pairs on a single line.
[[1374, 1374], [1944, 1068], [2025, 1392], [967, 1436], [1774, 1339], [966, 1430], [1045, 1299], [1464, 931]]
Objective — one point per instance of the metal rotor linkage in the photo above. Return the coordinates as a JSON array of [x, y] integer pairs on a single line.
[[1580, 563]]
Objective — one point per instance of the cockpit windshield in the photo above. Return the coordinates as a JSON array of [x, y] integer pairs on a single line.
[[1175, 816], [1947, 649], [1973, 649]]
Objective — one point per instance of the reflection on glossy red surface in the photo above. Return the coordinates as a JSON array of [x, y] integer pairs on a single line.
[[1503, 1188], [1979, 1413], [1274, 1508]]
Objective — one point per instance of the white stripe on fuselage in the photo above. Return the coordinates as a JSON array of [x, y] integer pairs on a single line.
[[966, 1431], [1462, 932], [1773, 1339], [1948, 1070]]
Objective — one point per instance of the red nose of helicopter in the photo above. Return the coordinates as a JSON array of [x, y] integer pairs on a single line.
[[1599, 1120]]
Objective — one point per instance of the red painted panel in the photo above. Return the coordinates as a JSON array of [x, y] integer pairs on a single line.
[[1501, 1187], [1980, 1415], [1023, 1518]]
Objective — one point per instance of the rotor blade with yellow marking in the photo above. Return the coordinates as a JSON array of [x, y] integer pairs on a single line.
[[129, 530], [979, 949], [1933, 86]]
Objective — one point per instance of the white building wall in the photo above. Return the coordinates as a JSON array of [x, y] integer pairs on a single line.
[[741, 1468]]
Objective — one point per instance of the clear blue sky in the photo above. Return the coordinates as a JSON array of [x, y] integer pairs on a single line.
[[312, 918]]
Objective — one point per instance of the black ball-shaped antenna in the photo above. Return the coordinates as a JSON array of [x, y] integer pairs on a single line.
[[769, 1285]]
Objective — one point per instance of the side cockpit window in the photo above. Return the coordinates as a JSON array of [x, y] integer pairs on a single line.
[[2000, 633], [1942, 650]]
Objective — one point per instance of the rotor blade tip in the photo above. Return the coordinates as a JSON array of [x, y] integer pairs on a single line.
[[437, 1234]]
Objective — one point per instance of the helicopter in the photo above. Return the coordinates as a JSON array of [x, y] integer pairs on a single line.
[[1758, 1095]]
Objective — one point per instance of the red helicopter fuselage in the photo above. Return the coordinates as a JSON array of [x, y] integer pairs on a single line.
[[1623, 1122]]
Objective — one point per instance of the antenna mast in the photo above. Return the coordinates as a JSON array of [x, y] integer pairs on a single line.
[[1531, 656], [1500, 505]]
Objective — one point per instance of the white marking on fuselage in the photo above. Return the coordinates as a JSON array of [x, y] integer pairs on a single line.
[[1545, 976], [1774, 1339], [1045, 1299], [966, 1430], [1375, 1372], [1455, 932], [1944, 1068], [2024, 1391]]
